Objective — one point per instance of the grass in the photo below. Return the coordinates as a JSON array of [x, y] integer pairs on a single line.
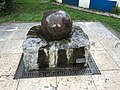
[[32, 11]]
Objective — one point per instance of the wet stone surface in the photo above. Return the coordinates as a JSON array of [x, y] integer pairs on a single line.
[[56, 25], [40, 53]]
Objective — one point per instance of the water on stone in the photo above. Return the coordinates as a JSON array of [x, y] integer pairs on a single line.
[[40, 53]]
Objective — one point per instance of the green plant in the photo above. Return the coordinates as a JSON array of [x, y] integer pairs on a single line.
[[51, 0], [5, 4], [2, 5], [116, 10]]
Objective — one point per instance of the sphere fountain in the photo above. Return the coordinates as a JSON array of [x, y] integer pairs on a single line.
[[55, 43]]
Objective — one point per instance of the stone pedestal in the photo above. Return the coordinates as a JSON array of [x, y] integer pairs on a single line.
[[70, 52]]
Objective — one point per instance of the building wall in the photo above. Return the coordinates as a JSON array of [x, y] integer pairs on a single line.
[[118, 3], [60, 1], [101, 5], [84, 3]]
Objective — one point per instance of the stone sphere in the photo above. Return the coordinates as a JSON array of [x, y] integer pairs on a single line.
[[56, 25]]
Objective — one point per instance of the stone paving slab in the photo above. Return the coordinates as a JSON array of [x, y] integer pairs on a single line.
[[109, 80], [107, 39], [9, 63], [13, 46], [75, 83], [25, 25], [2, 44], [5, 35], [117, 50], [8, 27], [48, 83], [97, 31], [7, 83], [115, 56], [95, 44], [19, 34], [103, 60], [105, 49]]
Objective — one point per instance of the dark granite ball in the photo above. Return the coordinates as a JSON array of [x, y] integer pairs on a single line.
[[56, 25]]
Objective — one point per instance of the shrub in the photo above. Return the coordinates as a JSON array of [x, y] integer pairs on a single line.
[[5, 4], [2, 5], [8, 1], [116, 10], [51, 0]]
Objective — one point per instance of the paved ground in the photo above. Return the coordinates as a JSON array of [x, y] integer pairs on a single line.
[[105, 49]]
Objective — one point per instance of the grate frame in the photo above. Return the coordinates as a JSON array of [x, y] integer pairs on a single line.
[[91, 69]]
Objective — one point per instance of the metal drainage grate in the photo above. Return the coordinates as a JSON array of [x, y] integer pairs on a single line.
[[91, 69]]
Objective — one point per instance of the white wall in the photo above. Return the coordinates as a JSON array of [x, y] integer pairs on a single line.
[[60, 1], [118, 3], [84, 3]]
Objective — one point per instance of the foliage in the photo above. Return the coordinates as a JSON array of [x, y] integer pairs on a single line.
[[116, 10], [51, 0], [2, 5], [5, 5]]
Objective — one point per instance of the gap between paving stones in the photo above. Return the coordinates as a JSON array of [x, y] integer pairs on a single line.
[[18, 84], [9, 37], [112, 58], [94, 83], [107, 52]]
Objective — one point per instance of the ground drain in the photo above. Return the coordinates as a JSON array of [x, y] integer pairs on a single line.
[[91, 69]]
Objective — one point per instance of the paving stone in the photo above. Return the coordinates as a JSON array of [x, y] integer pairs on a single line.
[[13, 46], [107, 39], [84, 27], [95, 44], [7, 83], [15, 26], [8, 27], [109, 44], [115, 56], [109, 80], [4, 35], [9, 63], [117, 50], [103, 60], [2, 45], [100, 30], [75, 83], [48, 83], [26, 25], [19, 34]]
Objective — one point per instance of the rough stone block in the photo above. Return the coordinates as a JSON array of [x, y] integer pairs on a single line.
[[39, 53]]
